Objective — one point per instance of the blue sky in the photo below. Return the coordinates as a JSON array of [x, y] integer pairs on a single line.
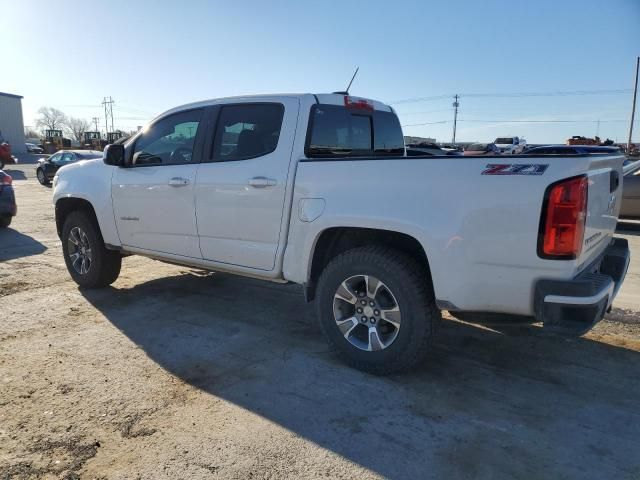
[[153, 55]]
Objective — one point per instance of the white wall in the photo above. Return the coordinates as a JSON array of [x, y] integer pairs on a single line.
[[11, 123]]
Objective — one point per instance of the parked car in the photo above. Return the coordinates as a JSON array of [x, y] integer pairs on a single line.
[[316, 190], [8, 208], [33, 148], [417, 150], [631, 191], [47, 167], [511, 145], [481, 149], [571, 150]]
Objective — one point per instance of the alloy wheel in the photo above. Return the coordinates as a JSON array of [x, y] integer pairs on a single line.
[[366, 312], [79, 250]]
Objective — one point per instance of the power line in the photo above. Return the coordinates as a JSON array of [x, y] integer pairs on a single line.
[[455, 105], [427, 123], [108, 112], [517, 94], [513, 121], [539, 121], [633, 108]]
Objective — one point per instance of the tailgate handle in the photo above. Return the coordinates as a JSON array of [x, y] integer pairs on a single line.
[[614, 181]]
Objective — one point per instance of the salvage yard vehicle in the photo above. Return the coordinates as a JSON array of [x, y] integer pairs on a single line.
[[511, 145], [631, 191], [316, 190], [33, 148], [476, 149], [5, 155], [47, 167], [571, 150], [8, 208]]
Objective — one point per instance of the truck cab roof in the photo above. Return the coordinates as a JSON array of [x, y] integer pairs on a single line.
[[311, 98]]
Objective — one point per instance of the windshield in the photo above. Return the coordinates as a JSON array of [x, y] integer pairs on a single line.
[[504, 140]]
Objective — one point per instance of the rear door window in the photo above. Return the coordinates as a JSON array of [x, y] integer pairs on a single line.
[[247, 131]]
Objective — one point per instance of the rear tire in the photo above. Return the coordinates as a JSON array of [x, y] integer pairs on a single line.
[[42, 178], [5, 221], [410, 289], [81, 235]]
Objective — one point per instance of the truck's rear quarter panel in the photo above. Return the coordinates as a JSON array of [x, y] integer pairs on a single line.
[[479, 232]]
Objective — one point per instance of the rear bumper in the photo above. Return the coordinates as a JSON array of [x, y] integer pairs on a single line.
[[575, 306]]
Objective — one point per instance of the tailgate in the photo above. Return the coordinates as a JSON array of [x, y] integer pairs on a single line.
[[604, 199]]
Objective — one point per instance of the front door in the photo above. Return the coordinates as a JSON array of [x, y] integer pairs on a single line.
[[153, 197], [240, 189]]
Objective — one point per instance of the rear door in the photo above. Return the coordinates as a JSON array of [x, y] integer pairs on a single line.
[[153, 198], [240, 189]]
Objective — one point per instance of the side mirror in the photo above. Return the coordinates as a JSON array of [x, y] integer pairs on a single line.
[[114, 155]]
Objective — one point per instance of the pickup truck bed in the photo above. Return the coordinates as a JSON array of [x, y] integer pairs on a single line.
[[316, 189]]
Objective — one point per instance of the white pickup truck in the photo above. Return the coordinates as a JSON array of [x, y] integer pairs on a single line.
[[317, 190], [511, 145]]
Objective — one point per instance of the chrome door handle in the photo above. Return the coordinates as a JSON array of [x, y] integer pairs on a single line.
[[261, 182], [178, 182]]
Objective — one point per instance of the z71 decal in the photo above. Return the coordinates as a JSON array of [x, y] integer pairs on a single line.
[[515, 169]]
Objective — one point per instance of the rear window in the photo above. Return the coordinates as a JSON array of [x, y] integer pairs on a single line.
[[504, 140], [335, 131]]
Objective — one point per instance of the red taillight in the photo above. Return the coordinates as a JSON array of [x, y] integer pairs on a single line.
[[5, 179], [358, 103], [564, 218]]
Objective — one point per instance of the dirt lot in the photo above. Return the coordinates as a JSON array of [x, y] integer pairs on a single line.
[[175, 373]]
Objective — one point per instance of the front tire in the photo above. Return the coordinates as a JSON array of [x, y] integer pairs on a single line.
[[89, 263], [393, 330], [42, 178]]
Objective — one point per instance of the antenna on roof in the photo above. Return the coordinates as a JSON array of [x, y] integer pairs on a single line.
[[352, 78], [346, 92]]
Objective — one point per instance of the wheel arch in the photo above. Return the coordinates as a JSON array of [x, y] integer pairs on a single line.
[[64, 206], [335, 240]]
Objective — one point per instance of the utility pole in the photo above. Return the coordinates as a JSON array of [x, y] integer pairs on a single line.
[[633, 107], [108, 112], [598, 129], [95, 121], [456, 104]]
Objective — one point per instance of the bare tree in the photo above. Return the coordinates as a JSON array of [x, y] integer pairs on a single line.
[[50, 118], [76, 127], [30, 133]]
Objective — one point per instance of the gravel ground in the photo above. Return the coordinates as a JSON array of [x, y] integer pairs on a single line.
[[178, 373]]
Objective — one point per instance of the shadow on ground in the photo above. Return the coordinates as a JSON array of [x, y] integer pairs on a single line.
[[14, 244], [15, 174], [514, 404]]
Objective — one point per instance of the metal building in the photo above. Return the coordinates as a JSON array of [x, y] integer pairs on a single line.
[[11, 122]]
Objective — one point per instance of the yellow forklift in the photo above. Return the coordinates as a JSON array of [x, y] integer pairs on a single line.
[[113, 136], [54, 141], [92, 141]]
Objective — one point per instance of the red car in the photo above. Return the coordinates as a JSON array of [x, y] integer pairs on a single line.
[[482, 149], [5, 155]]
